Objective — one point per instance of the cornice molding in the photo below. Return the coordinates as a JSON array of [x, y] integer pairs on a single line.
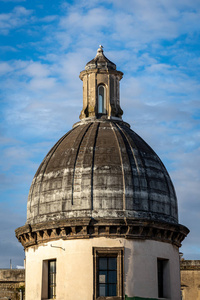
[[36, 234], [101, 71]]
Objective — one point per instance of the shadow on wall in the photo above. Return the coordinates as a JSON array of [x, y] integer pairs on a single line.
[[128, 266]]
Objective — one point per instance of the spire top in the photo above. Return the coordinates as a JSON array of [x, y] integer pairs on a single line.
[[100, 50]]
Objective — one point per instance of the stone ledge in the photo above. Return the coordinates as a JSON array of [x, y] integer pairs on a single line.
[[83, 228], [101, 71], [189, 265]]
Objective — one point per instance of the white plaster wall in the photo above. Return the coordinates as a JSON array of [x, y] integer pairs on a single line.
[[74, 278], [141, 269]]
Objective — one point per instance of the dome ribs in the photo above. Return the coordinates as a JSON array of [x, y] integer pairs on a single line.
[[68, 153], [83, 172], [76, 160], [173, 207], [138, 174], [51, 171], [107, 174], [123, 176], [92, 173], [101, 169], [143, 179], [161, 191], [42, 168], [100, 62]]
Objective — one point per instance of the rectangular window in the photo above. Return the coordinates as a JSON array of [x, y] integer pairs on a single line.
[[160, 278], [101, 99], [52, 279], [163, 278], [108, 273], [107, 276], [49, 279]]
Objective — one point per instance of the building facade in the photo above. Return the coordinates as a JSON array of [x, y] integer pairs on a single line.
[[190, 279], [102, 220], [12, 283]]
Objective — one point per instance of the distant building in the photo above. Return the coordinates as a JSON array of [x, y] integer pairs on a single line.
[[102, 219], [190, 279], [12, 283]]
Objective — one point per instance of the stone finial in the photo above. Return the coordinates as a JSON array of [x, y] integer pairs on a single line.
[[100, 50]]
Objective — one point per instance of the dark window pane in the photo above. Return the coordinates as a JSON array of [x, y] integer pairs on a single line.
[[103, 277], [102, 290], [102, 263], [107, 276], [160, 278], [112, 276], [101, 91], [112, 263], [112, 290], [52, 266], [52, 279]]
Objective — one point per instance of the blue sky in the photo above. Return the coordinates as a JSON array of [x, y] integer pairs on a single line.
[[43, 47]]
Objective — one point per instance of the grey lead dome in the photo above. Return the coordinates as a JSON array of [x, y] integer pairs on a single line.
[[102, 192], [101, 169]]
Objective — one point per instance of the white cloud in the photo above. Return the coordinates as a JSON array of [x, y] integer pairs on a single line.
[[36, 69], [8, 49], [18, 17], [5, 68]]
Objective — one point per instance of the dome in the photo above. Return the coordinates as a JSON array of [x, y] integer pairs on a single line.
[[101, 169], [100, 62], [101, 179], [101, 204]]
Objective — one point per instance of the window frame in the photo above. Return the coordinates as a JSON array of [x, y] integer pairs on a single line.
[[53, 284], [45, 278], [109, 252], [163, 276], [103, 101]]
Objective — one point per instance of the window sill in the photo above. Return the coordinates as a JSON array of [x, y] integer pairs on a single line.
[[109, 298]]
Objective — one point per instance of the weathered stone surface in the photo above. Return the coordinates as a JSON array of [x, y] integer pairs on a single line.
[[101, 72], [102, 186], [11, 282], [190, 278], [100, 62], [101, 168], [85, 228]]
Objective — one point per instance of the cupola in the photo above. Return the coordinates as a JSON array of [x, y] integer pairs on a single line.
[[102, 215], [101, 96]]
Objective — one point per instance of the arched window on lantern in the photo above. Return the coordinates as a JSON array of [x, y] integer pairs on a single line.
[[101, 99]]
